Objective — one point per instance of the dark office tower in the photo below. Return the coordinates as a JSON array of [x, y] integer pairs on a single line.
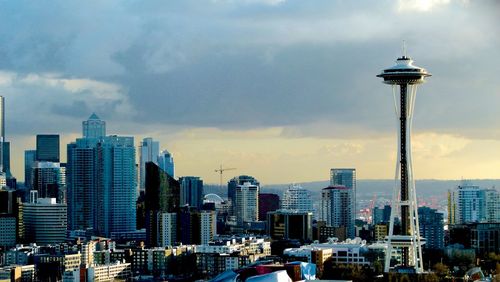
[[162, 197], [47, 148], [191, 191], [81, 184], [289, 224], [267, 203], [29, 160], [431, 227], [381, 215], [239, 180]]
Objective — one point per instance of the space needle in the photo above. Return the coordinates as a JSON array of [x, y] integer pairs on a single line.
[[405, 247]]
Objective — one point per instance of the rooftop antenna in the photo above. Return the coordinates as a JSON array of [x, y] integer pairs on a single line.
[[404, 49]]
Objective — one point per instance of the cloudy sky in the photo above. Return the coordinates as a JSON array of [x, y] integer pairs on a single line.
[[279, 89]]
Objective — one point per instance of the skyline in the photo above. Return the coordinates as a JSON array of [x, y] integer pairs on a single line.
[[303, 74]]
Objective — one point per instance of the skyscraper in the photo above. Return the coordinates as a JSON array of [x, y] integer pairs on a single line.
[[166, 162], [347, 178], [298, 199], [246, 204], [162, 201], [148, 152], [29, 160], [191, 191], [2, 130], [47, 148], [102, 185], [407, 76], [116, 192], [239, 180], [336, 208], [94, 127]]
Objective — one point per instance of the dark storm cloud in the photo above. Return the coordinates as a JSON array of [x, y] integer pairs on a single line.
[[246, 64]]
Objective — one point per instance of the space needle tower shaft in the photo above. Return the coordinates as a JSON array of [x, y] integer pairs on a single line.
[[407, 76]]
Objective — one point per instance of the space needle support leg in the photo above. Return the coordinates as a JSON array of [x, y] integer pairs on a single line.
[[404, 169]]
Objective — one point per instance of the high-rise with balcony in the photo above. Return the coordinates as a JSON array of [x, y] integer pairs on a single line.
[[246, 203], [298, 199], [336, 208]]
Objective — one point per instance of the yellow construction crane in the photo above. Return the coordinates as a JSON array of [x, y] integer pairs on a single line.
[[221, 171]]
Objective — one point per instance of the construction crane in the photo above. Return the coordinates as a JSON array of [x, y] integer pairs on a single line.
[[221, 171]]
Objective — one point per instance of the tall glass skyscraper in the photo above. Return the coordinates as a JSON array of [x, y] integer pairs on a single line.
[[191, 191], [102, 184], [148, 152], [166, 162], [29, 160]]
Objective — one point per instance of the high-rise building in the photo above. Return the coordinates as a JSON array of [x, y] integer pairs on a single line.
[[297, 198], [102, 185], [336, 208], [290, 224], [148, 152], [82, 184], [239, 180], [246, 204], [2, 131], [208, 226], [49, 180], [94, 127], [407, 76], [347, 178], [47, 148], [167, 229], [29, 160], [492, 197], [45, 221], [469, 202], [162, 198], [431, 227], [191, 191], [268, 202], [166, 162], [116, 192]]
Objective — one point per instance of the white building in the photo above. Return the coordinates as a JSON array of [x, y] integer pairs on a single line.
[[167, 229], [297, 198], [109, 272], [492, 205], [246, 205], [208, 226]]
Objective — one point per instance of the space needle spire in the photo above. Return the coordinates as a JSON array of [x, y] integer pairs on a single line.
[[404, 202]]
